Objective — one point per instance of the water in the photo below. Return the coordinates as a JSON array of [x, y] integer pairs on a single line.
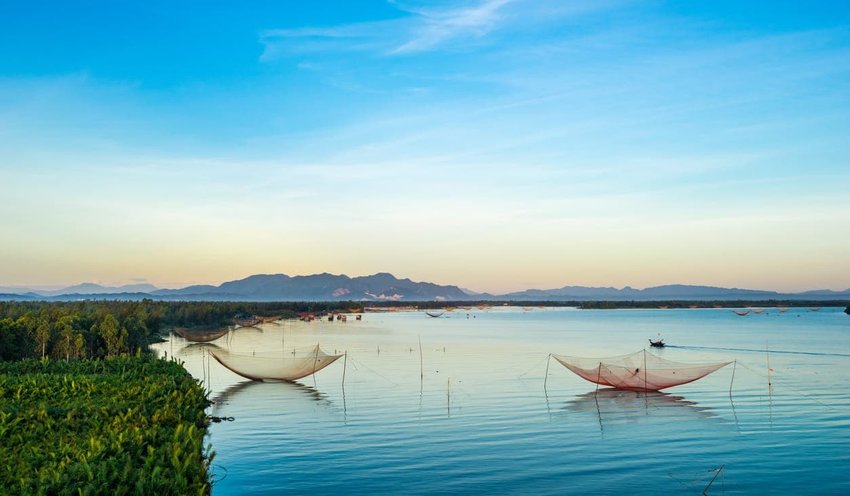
[[480, 421]]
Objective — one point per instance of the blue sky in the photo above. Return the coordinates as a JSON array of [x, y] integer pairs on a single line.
[[493, 144]]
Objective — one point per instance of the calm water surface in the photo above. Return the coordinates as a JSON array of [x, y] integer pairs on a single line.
[[481, 421]]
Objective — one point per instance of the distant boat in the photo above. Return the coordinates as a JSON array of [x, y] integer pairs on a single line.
[[757, 310], [741, 312], [275, 367], [640, 371], [814, 309], [782, 309], [434, 314], [663, 307], [657, 344]]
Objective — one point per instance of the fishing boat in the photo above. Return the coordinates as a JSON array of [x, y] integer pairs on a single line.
[[757, 310], [741, 312], [275, 367], [639, 371], [434, 314], [657, 344]]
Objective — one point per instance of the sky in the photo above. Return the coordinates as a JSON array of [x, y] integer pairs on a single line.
[[494, 144]]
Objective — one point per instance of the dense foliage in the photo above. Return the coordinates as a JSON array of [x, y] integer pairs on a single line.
[[128, 425], [95, 329]]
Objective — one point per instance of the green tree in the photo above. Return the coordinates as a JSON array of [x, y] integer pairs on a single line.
[[69, 342], [112, 334], [42, 336]]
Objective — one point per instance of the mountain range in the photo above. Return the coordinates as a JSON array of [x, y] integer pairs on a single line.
[[386, 287]]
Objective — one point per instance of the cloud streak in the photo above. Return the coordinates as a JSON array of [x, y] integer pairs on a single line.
[[417, 30]]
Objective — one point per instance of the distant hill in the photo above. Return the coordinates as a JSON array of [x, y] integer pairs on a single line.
[[16, 297], [90, 288], [386, 287], [667, 292], [318, 287]]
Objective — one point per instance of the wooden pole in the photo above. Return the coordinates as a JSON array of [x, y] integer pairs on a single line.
[[734, 366], [644, 372], [546, 377], [716, 473], [598, 374], [344, 366], [767, 354], [449, 396], [421, 363]]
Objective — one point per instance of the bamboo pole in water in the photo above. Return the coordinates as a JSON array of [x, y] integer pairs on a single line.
[[767, 354], [598, 373], [734, 366], [421, 363], [344, 366], [546, 377]]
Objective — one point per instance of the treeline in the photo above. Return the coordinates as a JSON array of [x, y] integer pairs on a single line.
[[96, 329], [602, 305], [613, 304]]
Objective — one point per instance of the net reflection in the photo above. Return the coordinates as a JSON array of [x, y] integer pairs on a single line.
[[271, 396], [616, 406]]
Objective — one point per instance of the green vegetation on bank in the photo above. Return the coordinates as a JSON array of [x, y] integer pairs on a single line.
[[96, 329], [617, 304], [124, 425]]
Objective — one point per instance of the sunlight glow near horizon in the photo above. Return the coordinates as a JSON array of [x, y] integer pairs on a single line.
[[494, 145]]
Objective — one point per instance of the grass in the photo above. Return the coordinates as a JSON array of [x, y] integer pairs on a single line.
[[130, 425]]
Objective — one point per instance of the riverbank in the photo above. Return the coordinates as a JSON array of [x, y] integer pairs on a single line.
[[116, 426]]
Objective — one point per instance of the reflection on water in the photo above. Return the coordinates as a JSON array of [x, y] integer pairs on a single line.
[[287, 393], [621, 404], [470, 414], [614, 406]]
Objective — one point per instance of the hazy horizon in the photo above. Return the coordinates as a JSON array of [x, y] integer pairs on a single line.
[[54, 287], [496, 145]]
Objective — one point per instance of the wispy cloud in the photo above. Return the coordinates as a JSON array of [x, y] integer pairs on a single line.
[[416, 30], [436, 27]]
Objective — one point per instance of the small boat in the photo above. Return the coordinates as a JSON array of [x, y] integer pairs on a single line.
[[657, 344], [757, 310], [434, 314], [741, 312], [782, 309]]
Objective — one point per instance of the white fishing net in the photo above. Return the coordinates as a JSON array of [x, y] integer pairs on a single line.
[[200, 335], [639, 371], [281, 366]]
